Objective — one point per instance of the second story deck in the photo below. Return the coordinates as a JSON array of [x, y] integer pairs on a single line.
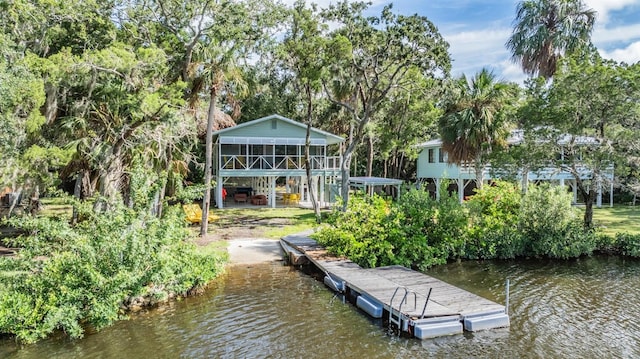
[[274, 146]]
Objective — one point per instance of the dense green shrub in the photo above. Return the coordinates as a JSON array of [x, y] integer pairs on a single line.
[[360, 232], [425, 232], [416, 231], [551, 226], [628, 244], [497, 222], [622, 243], [66, 278], [493, 223]]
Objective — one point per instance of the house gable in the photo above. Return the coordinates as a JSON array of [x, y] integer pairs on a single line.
[[276, 126]]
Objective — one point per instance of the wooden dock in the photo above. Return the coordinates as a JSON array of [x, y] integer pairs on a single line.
[[410, 301]]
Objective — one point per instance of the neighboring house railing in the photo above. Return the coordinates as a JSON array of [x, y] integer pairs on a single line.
[[542, 173]]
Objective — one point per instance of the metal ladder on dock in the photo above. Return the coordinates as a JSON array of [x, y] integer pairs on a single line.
[[395, 316]]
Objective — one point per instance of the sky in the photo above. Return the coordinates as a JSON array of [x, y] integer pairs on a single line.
[[477, 30]]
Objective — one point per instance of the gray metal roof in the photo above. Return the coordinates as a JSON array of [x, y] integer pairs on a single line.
[[375, 181], [516, 137]]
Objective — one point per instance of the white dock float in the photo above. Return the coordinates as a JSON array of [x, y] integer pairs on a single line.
[[399, 295], [370, 306], [437, 327], [487, 320]]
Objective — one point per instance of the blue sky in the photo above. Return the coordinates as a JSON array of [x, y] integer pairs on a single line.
[[478, 29]]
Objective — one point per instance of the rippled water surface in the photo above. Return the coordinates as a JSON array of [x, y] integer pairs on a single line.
[[576, 309]]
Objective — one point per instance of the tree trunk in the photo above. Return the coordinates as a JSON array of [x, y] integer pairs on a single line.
[[163, 189], [479, 169], [206, 200], [369, 156], [307, 157], [51, 104], [344, 170], [589, 197], [15, 200], [354, 136], [588, 214], [386, 167], [110, 181], [399, 165], [77, 193]]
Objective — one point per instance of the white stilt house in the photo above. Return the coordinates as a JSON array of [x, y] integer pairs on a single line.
[[432, 168], [268, 150]]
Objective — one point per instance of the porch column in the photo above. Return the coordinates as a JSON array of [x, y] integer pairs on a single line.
[[575, 191], [323, 184], [599, 198], [611, 195], [460, 190], [272, 192], [437, 189], [219, 185], [561, 182], [304, 183]]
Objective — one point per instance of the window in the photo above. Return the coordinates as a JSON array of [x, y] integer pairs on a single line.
[[442, 156], [274, 124], [431, 156]]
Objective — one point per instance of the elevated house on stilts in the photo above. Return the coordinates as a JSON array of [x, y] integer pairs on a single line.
[[433, 168], [262, 162]]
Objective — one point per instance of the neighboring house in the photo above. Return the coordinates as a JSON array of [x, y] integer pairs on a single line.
[[432, 168], [269, 152]]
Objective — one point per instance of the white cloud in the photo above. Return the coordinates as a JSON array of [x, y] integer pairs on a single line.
[[621, 34], [604, 7], [630, 54], [472, 50], [512, 72]]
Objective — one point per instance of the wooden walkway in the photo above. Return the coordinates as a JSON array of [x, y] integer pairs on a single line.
[[448, 305]]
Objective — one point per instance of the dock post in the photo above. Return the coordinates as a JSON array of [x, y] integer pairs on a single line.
[[506, 305]]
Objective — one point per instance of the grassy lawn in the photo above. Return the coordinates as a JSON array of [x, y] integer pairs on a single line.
[[275, 222], [279, 222], [55, 207], [620, 218], [217, 247]]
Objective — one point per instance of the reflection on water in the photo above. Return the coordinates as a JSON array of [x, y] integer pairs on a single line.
[[584, 308]]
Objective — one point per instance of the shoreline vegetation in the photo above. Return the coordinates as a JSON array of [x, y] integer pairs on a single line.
[[498, 222], [83, 278], [74, 279]]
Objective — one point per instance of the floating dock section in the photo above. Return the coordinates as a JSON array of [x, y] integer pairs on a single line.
[[409, 301]]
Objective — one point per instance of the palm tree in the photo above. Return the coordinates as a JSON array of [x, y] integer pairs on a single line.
[[214, 75], [546, 30], [474, 120]]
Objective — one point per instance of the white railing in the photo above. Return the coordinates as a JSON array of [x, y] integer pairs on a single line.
[[542, 173], [233, 162], [277, 162]]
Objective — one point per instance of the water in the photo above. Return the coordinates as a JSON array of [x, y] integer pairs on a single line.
[[574, 309]]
